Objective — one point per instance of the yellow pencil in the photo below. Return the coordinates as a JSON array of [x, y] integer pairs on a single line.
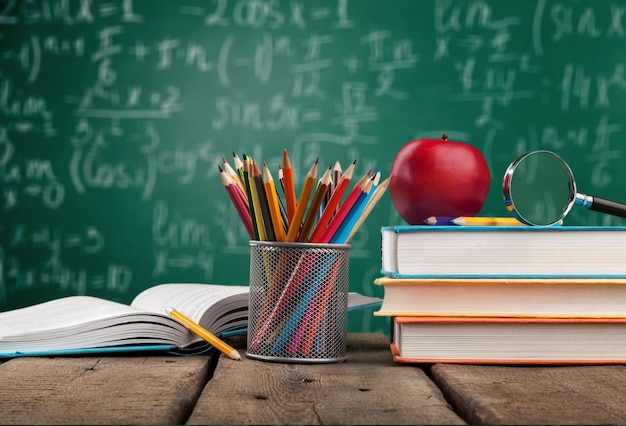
[[272, 201], [205, 334], [256, 203], [486, 221], [303, 201]]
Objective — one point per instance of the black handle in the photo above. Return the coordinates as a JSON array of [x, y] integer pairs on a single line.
[[607, 206]]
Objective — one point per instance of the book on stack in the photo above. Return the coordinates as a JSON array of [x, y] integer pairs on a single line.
[[503, 251], [498, 294]]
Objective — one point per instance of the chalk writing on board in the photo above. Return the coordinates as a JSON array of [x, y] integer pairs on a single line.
[[114, 115]]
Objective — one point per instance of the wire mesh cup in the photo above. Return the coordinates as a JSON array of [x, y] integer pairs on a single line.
[[298, 302]]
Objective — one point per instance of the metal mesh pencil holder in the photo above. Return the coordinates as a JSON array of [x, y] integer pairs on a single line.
[[298, 302]]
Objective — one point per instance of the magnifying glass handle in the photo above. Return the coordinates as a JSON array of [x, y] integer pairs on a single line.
[[602, 205]]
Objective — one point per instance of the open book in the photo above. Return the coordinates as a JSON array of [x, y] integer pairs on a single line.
[[85, 324]]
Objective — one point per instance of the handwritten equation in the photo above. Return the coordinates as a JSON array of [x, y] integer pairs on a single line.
[[114, 115]]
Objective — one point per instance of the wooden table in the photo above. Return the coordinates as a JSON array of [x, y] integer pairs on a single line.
[[368, 388]]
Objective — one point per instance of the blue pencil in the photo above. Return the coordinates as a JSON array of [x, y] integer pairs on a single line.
[[440, 220], [355, 212]]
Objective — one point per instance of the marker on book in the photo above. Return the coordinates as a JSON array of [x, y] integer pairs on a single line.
[[218, 344]]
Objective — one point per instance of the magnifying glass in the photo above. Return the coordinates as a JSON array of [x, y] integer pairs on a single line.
[[539, 189]]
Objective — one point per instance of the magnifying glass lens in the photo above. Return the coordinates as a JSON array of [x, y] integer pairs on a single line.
[[542, 188]]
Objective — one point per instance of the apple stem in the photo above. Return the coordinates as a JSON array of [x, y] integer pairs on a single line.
[[444, 136]]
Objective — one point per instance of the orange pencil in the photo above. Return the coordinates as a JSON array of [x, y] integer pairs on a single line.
[[320, 193], [303, 201], [332, 204], [272, 202], [289, 188]]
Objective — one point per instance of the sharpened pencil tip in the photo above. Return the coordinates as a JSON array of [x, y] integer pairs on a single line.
[[234, 354]]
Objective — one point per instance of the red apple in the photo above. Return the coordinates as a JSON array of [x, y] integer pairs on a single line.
[[436, 177]]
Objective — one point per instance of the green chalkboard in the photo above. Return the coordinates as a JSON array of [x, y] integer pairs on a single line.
[[114, 116]]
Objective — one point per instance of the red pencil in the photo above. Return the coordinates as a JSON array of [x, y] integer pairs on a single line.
[[234, 193]]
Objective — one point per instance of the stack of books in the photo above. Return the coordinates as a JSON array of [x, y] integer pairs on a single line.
[[505, 294]]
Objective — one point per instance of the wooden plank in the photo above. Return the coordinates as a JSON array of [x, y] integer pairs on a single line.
[[101, 390], [368, 388], [535, 394]]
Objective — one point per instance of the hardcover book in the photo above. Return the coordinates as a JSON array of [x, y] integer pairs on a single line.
[[503, 251], [503, 297], [484, 340]]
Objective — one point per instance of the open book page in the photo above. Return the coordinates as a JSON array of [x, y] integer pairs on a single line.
[[214, 306], [58, 314], [85, 322]]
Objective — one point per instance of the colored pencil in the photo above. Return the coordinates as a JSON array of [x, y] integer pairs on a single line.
[[283, 210], [482, 221], [205, 334], [239, 167], [333, 185], [303, 201], [251, 208], [336, 174], [234, 176], [289, 188], [318, 197], [355, 212], [320, 305], [472, 221], [255, 200], [344, 209], [238, 202], [331, 207], [281, 296], [272, 201], [263, 204], [319, 280], [376, 196]]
